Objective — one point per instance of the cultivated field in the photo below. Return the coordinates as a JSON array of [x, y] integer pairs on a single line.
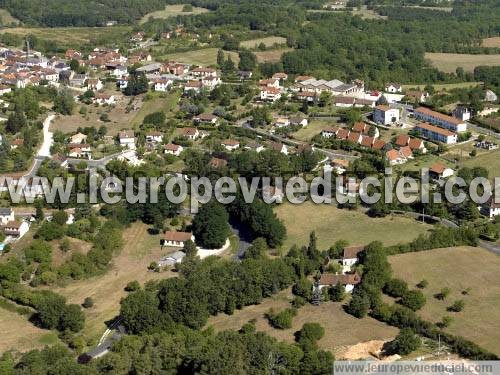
[[172, 11], [458, 268], [341, 329], [204, 56], [449, 62], [491, 42], [131, 264], [332, 224], [271, 55], [367, 14], [444, 86], [268, 42], [20, 334], [71, 36]]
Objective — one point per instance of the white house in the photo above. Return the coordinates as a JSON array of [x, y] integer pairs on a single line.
[[176, 239], [194, 86], [270, 94], [383, 114], [154, 137], [101, 99], [329, 132], [440, 171], [462, 113], [127, 139], [210, 82], [206, 118], [279, 147], [162, 84], [173, 149], [78, 138], [349, 281], [16, 229], [172, 259], [282, 122], [204, 72], [350, 257], [6, 215], [302, 121], [94, 84], [393, 88], [230, 144], [395, 157], [190, 133], [492, 208]]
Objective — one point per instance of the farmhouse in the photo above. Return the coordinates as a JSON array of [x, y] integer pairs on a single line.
[[190, 133], [194, 86], [436, 134], [171, 259], [270, 94], [462, 113], [78, 138], [393, 88], [154, 137], [16, 229], [395, 157], [254, 146], [204, 72], [162, 84], [329, 132], [176, 239], [349, 281], [206, 118], [6, 215], [417, 96], [296, 121], [94, 84], [230, 144], [127, 139], [383, 114], [440, 119], [439, 171], [351, 257], [270, 82], [101, 99], [173, 149], [279, 147]]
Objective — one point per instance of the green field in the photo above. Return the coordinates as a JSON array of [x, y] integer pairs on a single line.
[[490, 160], [155, 104], [449, 62], [458, 268], [172, 11], [332, 224], [268, 42], [204, 56]]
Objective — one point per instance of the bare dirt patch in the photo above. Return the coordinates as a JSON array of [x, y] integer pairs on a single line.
[[491, 42]]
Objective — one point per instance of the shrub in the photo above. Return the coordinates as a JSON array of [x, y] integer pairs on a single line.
[[457, 306], [88, 303], [405, 342], [283, 319], [413, 299], [396, 288], [422, 284], [443, 294], [133, 286]]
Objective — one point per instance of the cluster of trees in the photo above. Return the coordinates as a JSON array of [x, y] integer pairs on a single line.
[[186, 351], [51, 309], [54, 13], [260, 218], [210, 225]]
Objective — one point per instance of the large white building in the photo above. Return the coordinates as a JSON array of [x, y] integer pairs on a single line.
[[435, 133], [383, 114], [444, 121]]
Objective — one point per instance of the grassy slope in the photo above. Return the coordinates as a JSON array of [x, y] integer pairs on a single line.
[[332, 224], [458, 268]]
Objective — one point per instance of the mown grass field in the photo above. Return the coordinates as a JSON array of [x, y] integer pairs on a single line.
[[332, 224], [268, 42], [204, 56], [445, 86], [458, 268], [172, 11], [19, 334], [312, 129], [271, 55], [341, 329], [139, 251], [71, 36], [159, 102], [449, 62], [489, 160], [491, 42]]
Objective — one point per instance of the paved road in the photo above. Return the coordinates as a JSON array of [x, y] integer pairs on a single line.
[[96, 163], [494, 248]]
